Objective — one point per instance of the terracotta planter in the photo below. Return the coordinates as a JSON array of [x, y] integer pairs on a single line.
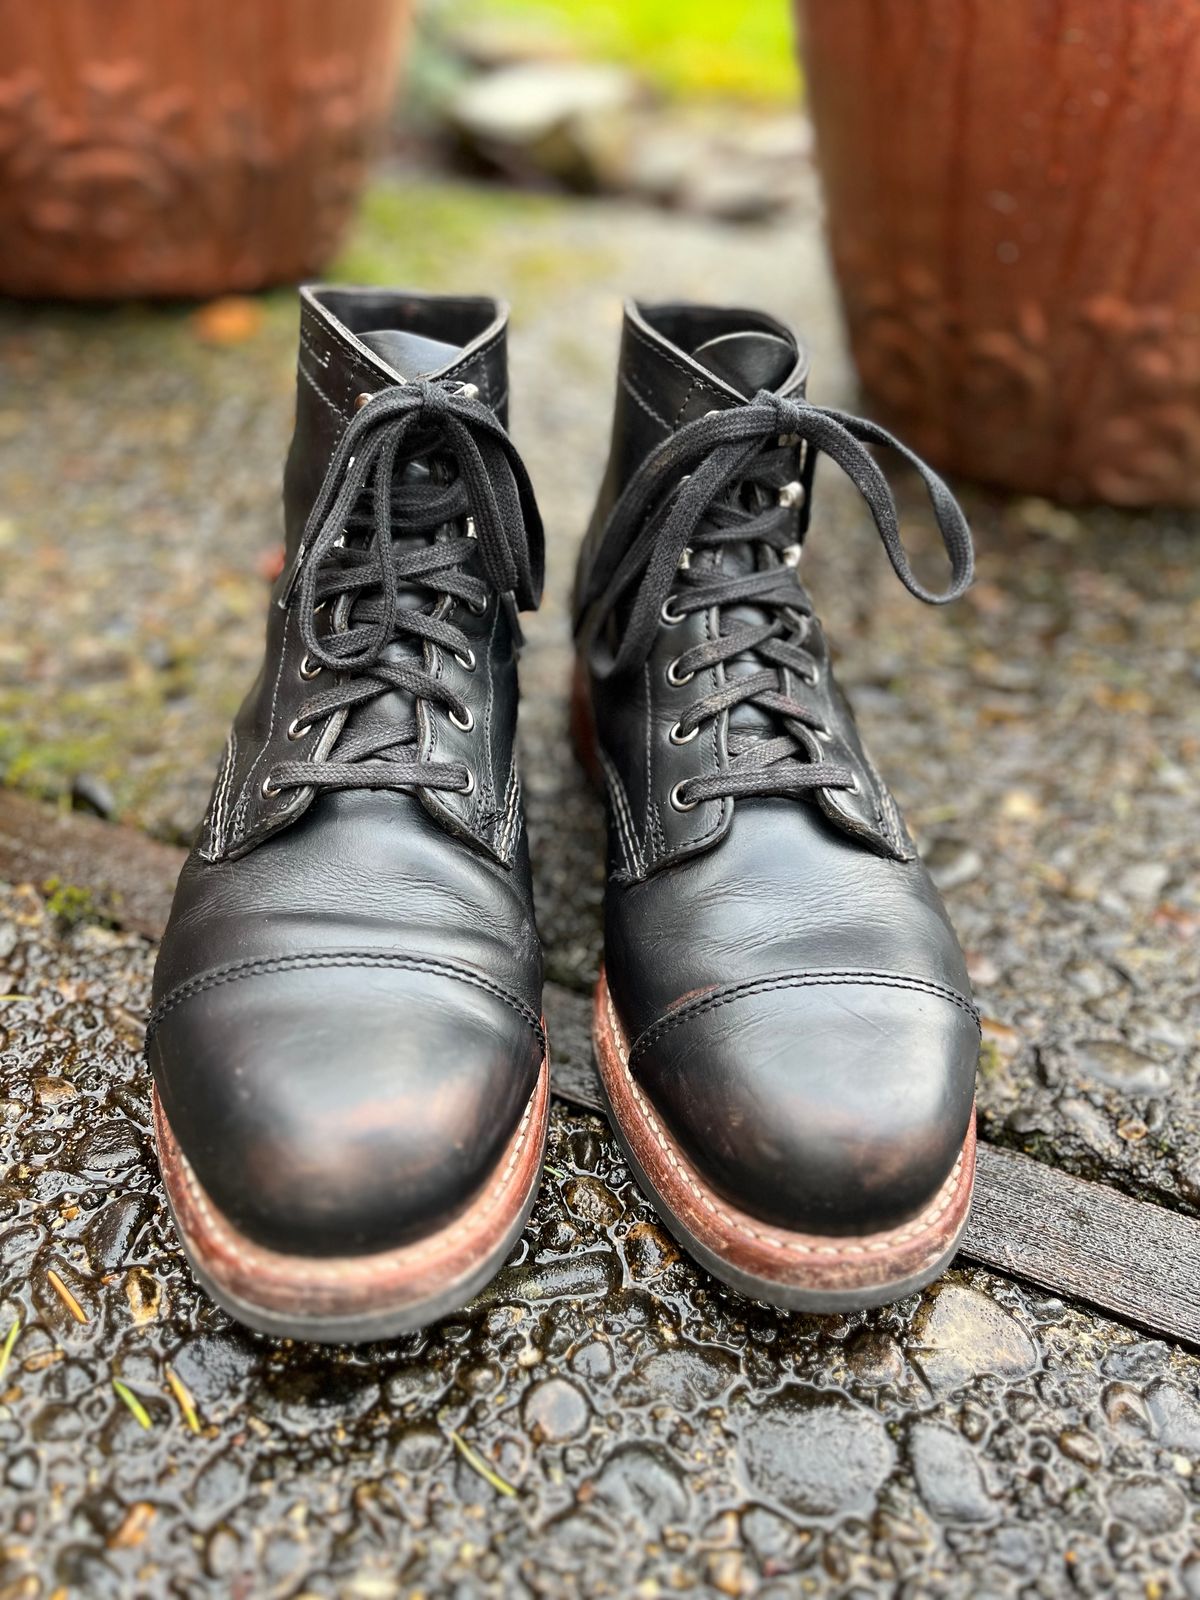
[[1013, 193], [184, 147]]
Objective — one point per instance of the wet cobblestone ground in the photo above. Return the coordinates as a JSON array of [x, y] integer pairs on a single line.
[[605, 1419]]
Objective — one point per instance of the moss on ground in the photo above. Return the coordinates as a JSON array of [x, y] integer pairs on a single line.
[[71, 906], [456, 236]]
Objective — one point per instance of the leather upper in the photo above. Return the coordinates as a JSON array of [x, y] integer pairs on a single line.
[[793, 996], [659, 389], [334, 369], [348, 995]]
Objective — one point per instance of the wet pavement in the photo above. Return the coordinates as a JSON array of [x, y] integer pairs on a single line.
[[605, 1419]]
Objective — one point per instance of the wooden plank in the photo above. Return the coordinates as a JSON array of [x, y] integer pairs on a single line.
[[131, 877], [1137, 1261]]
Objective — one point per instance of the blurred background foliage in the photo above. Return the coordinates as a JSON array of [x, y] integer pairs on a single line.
[[728, 48]]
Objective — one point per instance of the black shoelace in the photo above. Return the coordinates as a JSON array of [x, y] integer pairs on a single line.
[[464, 529], [729, 479]]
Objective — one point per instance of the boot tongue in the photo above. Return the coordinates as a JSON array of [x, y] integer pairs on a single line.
[[748, 361], [409, 354]]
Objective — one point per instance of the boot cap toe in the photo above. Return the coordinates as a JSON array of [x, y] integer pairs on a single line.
[[345, 1106], [823, 1103]]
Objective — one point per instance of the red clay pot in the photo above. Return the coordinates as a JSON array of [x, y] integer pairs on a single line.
[[185, 147], [1013, 191]]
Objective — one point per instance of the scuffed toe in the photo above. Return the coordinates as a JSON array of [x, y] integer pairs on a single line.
[[332, 1109], [820, 1103]]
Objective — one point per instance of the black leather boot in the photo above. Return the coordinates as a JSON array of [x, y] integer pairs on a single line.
[[784, 1024], [349, 1059]]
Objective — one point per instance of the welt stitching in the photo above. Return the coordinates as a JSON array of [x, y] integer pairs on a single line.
[[798, 980], [320, 393], [507, 831], [361, 1268], [640, 399], [664, 354], [478, 354], [649, 752], [683, 404], [489, 719], [221, 798], [243, 805], [267, 966], [328, 329], [624, 817]]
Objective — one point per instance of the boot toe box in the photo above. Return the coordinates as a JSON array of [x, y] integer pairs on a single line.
[[343, 1107], [832, 1104]]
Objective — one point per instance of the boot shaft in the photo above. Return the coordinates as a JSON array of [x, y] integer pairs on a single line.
[[358, 341], [677, 362]]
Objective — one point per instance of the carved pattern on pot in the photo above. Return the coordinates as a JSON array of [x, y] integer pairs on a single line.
[[1148, 444], [93, 180], [135, 184], [989, 397]]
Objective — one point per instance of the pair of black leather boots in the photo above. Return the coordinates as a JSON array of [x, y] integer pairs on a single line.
[[350, 1063]]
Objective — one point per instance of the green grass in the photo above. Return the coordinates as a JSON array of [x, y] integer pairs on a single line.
[[740, 49]]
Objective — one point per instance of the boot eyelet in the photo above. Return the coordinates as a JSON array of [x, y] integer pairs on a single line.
[[267, 789], [668, 613], [682, 738], [467, 662], [477, 608], [297, 729], [678, 802], [853, 787], [676, 678], [812, 677], [466, 724], [360, 400], [823, 733], [310, 668], [469, 787]]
